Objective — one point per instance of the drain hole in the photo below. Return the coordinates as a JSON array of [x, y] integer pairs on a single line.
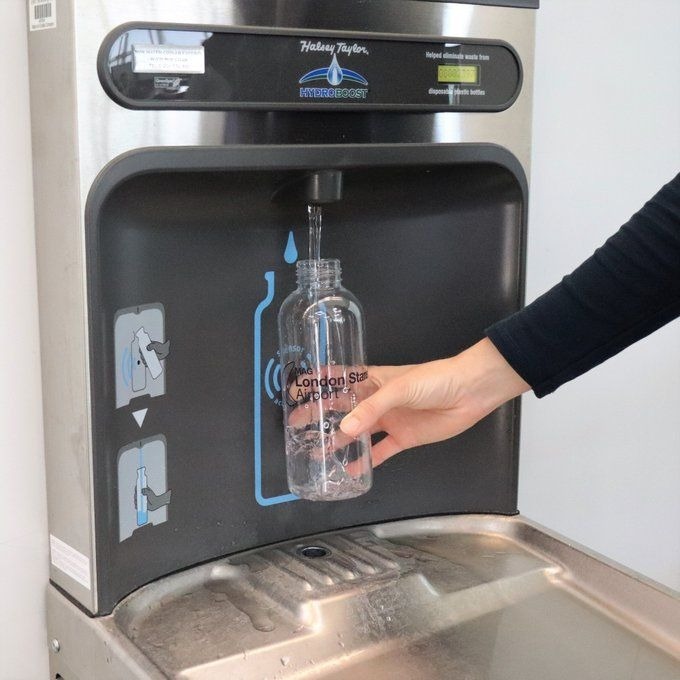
[[313, 551]]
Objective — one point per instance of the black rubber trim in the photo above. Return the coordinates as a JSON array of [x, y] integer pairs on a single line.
[[291, 157], [136, 105]]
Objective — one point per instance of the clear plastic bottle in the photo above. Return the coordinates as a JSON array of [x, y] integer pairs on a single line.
[[324, 376]]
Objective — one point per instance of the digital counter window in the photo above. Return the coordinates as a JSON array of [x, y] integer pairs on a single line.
[[458, 74]]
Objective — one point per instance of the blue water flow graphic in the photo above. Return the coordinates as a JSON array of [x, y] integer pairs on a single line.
[[142, 508]]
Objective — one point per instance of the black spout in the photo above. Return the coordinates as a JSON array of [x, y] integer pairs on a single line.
[[314, 188], [323, 186]]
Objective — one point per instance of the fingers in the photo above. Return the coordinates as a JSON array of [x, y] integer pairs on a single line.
[[384, 449], [380, 375], [366, 415], [156, 501]]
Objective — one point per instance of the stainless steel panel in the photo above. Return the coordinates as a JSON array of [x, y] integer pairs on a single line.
[[61, 291], [77, 130], [88, 648], [477, 597], [108, 130]]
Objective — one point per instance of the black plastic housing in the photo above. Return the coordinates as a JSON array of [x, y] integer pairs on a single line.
[[431, 240]]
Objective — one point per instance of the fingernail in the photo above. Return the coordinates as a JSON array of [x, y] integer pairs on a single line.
[[350, 425]]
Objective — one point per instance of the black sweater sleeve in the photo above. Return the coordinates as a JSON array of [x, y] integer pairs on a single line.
[[628, 288]]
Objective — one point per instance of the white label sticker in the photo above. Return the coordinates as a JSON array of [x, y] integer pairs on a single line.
[[42, 14], [168, 59], [70, 561]]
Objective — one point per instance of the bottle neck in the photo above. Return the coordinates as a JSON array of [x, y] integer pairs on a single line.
[[318, 274]]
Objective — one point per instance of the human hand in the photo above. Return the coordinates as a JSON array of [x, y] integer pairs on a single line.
[[316, 400], [430, 402], [156, 501]]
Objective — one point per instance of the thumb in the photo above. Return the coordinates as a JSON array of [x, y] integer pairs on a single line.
[[369, 411]]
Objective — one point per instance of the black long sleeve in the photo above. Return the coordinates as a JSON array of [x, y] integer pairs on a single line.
[[628, 288]]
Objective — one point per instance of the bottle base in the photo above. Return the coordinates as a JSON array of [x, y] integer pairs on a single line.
[[335, 494]]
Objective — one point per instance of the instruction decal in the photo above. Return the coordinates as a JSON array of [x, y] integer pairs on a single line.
[[174, 59], [140, 352], [143, 494]]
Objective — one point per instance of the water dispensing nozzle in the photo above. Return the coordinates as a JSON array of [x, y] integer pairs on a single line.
[[323, 186], [313, 188]]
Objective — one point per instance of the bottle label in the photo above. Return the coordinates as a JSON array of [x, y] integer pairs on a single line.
[[305, 384], [323, 463]]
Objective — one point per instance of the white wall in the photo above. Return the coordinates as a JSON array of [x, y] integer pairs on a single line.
[[600, 458], [23, 519]]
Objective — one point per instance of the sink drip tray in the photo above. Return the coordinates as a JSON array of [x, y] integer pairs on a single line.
[[467, 597]]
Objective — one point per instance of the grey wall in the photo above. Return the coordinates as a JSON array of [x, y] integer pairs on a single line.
[[23, 518], [600, 458]]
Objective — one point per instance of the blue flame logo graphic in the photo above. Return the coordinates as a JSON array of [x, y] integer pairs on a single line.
[[334, 74]]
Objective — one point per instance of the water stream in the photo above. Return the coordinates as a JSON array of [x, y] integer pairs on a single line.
[[315, 216]]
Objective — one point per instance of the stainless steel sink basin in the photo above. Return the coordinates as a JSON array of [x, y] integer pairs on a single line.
[[467, 597]]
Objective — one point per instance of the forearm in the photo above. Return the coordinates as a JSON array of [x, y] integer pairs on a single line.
[[627, 289]]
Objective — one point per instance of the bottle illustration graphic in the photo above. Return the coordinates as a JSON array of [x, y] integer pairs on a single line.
[[269, 460]]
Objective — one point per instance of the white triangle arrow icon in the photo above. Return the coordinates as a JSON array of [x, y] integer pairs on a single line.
[[140, 415]]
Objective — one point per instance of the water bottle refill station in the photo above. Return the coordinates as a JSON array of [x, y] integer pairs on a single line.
[[175, 147]]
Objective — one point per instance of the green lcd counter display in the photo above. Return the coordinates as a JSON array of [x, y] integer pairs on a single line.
[[458, 74]]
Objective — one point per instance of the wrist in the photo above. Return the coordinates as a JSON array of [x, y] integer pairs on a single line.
[[489, 379]]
